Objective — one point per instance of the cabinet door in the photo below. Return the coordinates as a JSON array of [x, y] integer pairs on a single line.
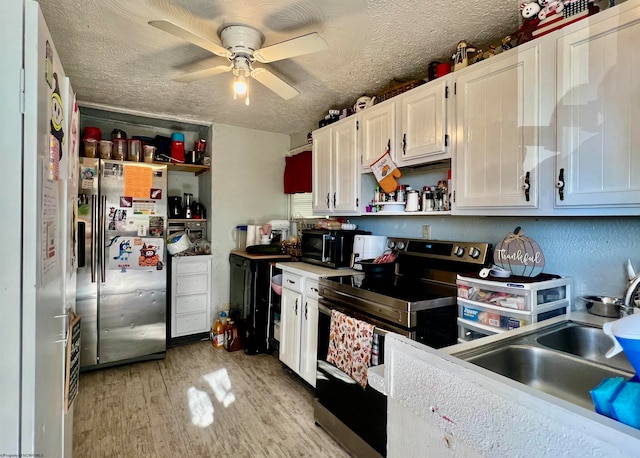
[[598, 113], [497, 119], [309, 341], [346, 174], [422, 124], [377, 132], [322, 171], [289, 350]]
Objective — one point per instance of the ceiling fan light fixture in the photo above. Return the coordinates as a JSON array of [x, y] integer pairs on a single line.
[[240, 86]]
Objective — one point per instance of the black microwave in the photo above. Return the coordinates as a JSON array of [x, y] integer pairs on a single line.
[[330, 248]]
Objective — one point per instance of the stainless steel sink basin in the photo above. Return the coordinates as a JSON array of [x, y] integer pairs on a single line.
[[565, 360], [588, 342], [554, 373]]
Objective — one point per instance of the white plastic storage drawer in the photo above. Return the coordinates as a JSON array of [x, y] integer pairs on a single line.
[[493, 318], [198, 283], [192, 266], [515, 295], [468, 331], [311, 289], [191, 303], [292, 282], [191, 324]]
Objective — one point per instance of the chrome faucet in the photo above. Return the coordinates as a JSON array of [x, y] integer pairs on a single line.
[[629, 297]]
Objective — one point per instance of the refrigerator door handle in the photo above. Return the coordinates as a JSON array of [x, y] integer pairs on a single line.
[[103, 238], [94, 235]]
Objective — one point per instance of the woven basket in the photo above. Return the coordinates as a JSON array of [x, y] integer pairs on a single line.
[[396, 87]]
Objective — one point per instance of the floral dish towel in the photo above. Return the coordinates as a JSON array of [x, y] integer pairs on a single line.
[[350, 343]]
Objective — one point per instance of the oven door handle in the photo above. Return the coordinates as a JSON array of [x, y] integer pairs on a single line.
[[324, 309], [376, 330]]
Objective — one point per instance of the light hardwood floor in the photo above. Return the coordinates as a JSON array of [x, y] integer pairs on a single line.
[[176, 408]]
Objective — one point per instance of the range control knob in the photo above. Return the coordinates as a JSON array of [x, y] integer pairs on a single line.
[[458, 251], [474, 252], [391, 244], [401, 245]]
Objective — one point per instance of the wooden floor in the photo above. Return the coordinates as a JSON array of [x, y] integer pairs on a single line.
[[198, 402]]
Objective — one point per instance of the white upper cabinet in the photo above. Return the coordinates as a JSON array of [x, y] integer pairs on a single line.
[[497, 119], [321, 171], [336, 173], [421, 127], [598, 113], [346, 183], [377, 132]]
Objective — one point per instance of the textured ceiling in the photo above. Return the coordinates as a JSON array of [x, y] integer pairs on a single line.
[[114, 57]]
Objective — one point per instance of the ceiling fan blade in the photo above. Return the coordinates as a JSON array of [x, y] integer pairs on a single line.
[[306, 44], [275, 83], [180, 32], [201, 74]]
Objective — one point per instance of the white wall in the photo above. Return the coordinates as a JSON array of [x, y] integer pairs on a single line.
[[247, 169]]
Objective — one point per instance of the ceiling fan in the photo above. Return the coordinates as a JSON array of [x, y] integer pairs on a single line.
[[241, 44]]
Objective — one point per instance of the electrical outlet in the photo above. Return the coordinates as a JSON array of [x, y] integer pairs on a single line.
[[426, 231]]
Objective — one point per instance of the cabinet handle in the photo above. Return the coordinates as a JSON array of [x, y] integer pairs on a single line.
[[560, 184], [328, 204], [291, 281], [334, 200], [305, 310], [296, 309], [404, 144], [526, 185], [315, 290]]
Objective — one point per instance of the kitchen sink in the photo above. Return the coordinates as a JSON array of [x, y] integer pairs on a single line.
[[565, 360], [588, 342]]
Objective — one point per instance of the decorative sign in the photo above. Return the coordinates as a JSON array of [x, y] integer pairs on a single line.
[[72, 366], [519, 254]]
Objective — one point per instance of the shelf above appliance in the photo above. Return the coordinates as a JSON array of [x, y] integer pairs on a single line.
[[191, 168]]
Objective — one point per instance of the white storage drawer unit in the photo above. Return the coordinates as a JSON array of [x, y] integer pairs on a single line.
[[190, 295], [487, 307]]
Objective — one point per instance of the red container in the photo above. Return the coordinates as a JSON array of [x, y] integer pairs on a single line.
[[92, 132], [177, 147], [443, 69], [177, 151]]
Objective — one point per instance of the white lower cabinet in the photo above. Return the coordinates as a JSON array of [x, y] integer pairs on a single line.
[[190, 295], [289, 350], [309, 332], [299, 325]]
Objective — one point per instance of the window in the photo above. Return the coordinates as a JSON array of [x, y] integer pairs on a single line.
[[300, 205]]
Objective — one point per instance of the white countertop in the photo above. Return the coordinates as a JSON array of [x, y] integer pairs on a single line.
[[307, 270]]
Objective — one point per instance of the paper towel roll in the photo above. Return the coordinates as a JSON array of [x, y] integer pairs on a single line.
[[253, 235]]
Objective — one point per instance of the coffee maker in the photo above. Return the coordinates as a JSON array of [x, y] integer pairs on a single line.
[[175, 207]]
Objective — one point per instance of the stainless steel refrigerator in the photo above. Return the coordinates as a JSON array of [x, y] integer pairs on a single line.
[[121, 280]]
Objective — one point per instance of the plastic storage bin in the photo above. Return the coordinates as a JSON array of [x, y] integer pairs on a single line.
[[487, 307]]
